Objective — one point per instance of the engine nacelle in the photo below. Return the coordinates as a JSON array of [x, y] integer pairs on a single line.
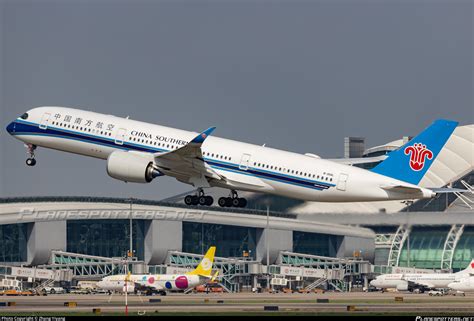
[[132, 167], [402, 286]]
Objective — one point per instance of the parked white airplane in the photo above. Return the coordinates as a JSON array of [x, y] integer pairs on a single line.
[[463, 285], [422, 281], [161, 283], [139, 152]]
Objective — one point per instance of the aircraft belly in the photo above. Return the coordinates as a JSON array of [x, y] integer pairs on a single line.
[[68, 145]]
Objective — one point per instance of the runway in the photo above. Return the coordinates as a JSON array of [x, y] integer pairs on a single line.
[[244, 303]]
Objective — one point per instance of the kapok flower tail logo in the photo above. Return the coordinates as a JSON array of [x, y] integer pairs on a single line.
[[418, 153]]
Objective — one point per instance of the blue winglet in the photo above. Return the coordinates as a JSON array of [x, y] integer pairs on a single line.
[[199, 139]]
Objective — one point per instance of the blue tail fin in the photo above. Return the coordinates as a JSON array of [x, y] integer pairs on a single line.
[[410, 162]]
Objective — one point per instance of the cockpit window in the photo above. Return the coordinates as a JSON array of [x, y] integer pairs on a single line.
[[24, 116]]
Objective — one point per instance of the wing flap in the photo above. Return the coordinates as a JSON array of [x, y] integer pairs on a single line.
[[187, 161], [142, 285]]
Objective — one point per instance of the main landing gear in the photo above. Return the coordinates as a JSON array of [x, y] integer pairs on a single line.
[[232, 201], [199, 199], [31, 161]]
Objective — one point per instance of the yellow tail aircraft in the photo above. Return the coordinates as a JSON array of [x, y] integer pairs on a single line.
[[161, 283]]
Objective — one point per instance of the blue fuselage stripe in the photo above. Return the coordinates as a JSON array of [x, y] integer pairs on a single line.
[[27, 128]]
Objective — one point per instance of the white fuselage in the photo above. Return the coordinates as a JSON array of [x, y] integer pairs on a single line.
[[430, 280], [464, 285], [247, 167], [160, 282]]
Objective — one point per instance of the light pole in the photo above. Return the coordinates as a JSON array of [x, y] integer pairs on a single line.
[[131, 230], [268, 246]]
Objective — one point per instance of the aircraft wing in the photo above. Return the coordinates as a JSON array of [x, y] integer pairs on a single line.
[[142, 285], [423, 283], [187, 162]]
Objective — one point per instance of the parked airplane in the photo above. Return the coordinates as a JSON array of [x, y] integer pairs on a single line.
[[421, 281], [161, 283], [463, 285], [139, 152]]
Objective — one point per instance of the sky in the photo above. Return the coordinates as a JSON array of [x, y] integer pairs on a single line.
[[295, 75]]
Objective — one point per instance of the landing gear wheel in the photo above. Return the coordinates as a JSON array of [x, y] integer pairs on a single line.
[[222, 202], [31, 151], [235, 202], [202, 200], [188, 200], [242, 202], [31, 162], [199, 199]]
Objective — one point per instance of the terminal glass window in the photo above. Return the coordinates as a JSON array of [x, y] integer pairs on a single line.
[[13, 242], [108, 238], [316, 244], [231, 241], [464, 252], [424, 249]]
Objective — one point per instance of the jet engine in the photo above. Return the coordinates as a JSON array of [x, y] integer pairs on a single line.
[[132, 167], [402, 286]]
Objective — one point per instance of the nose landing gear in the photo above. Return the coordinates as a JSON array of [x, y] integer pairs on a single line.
[[31, 161], [199, 199], [233, 201]]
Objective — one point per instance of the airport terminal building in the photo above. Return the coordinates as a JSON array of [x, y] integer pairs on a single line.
[[32, 227]]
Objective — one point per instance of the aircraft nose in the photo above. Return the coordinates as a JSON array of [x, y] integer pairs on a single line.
[[11, 127]]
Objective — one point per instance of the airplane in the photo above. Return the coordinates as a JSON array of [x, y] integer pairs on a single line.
[[161, 283], [421, 281], [139, 152], [463, 285]]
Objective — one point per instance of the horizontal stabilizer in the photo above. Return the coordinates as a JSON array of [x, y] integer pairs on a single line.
[[444, 190], [402, 189]]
